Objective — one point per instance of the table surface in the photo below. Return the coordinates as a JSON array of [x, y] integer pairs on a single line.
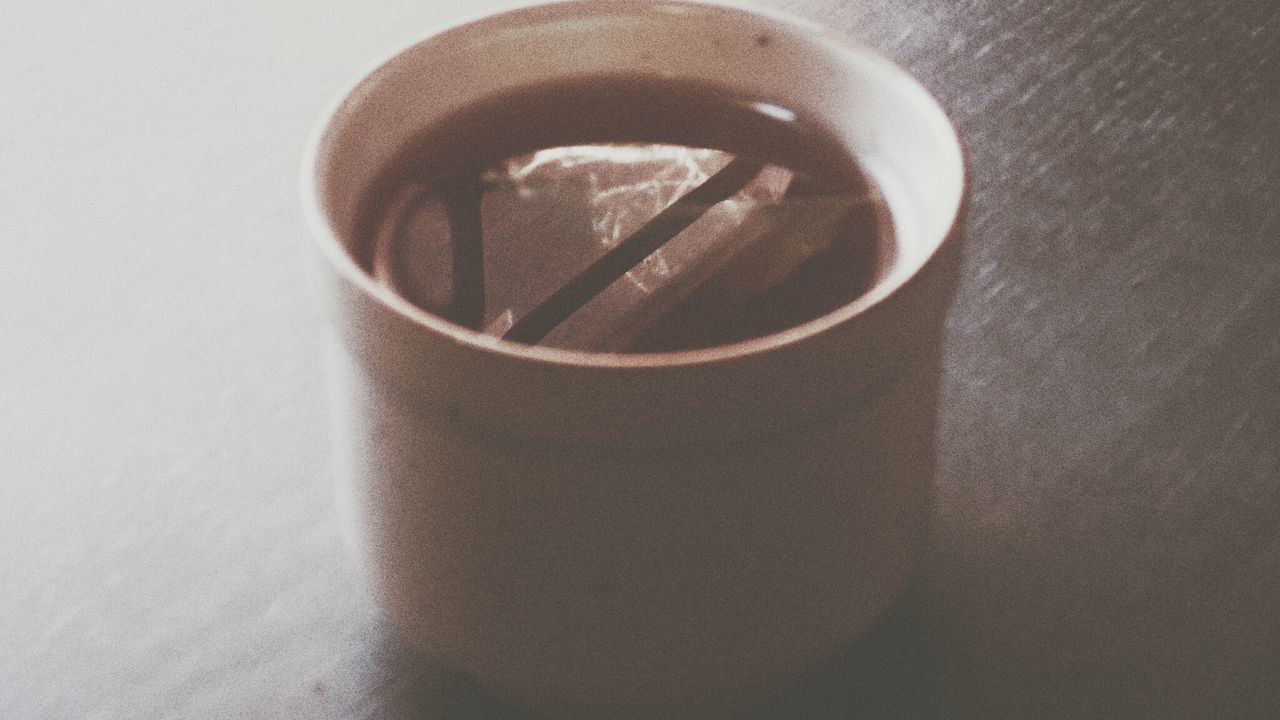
[[1107, 529]]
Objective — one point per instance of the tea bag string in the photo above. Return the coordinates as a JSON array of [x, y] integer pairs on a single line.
[[462, 202], [618, 260]]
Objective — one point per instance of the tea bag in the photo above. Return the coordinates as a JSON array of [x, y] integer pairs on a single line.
[[618, 247]]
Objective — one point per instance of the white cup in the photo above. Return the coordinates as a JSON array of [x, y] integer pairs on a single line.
[[598, 535]]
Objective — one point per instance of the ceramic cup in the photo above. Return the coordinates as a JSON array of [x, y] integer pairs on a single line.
[[599, 535]]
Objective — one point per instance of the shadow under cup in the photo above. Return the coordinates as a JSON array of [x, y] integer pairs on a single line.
[[600, 535]]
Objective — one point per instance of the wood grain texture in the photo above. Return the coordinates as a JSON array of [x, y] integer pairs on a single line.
[[1107, 530]]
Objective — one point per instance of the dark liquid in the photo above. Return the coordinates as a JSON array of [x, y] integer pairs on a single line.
[[619, 235]]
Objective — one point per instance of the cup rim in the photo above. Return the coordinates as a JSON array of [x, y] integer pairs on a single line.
[[341, 261]]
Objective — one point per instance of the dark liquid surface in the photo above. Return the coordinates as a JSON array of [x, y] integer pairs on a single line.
[[628, 214]]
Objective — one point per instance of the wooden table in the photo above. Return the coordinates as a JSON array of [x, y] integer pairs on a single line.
[[1107, 527]]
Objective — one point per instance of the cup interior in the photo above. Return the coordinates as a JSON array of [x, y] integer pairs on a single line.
[[898, 135]]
